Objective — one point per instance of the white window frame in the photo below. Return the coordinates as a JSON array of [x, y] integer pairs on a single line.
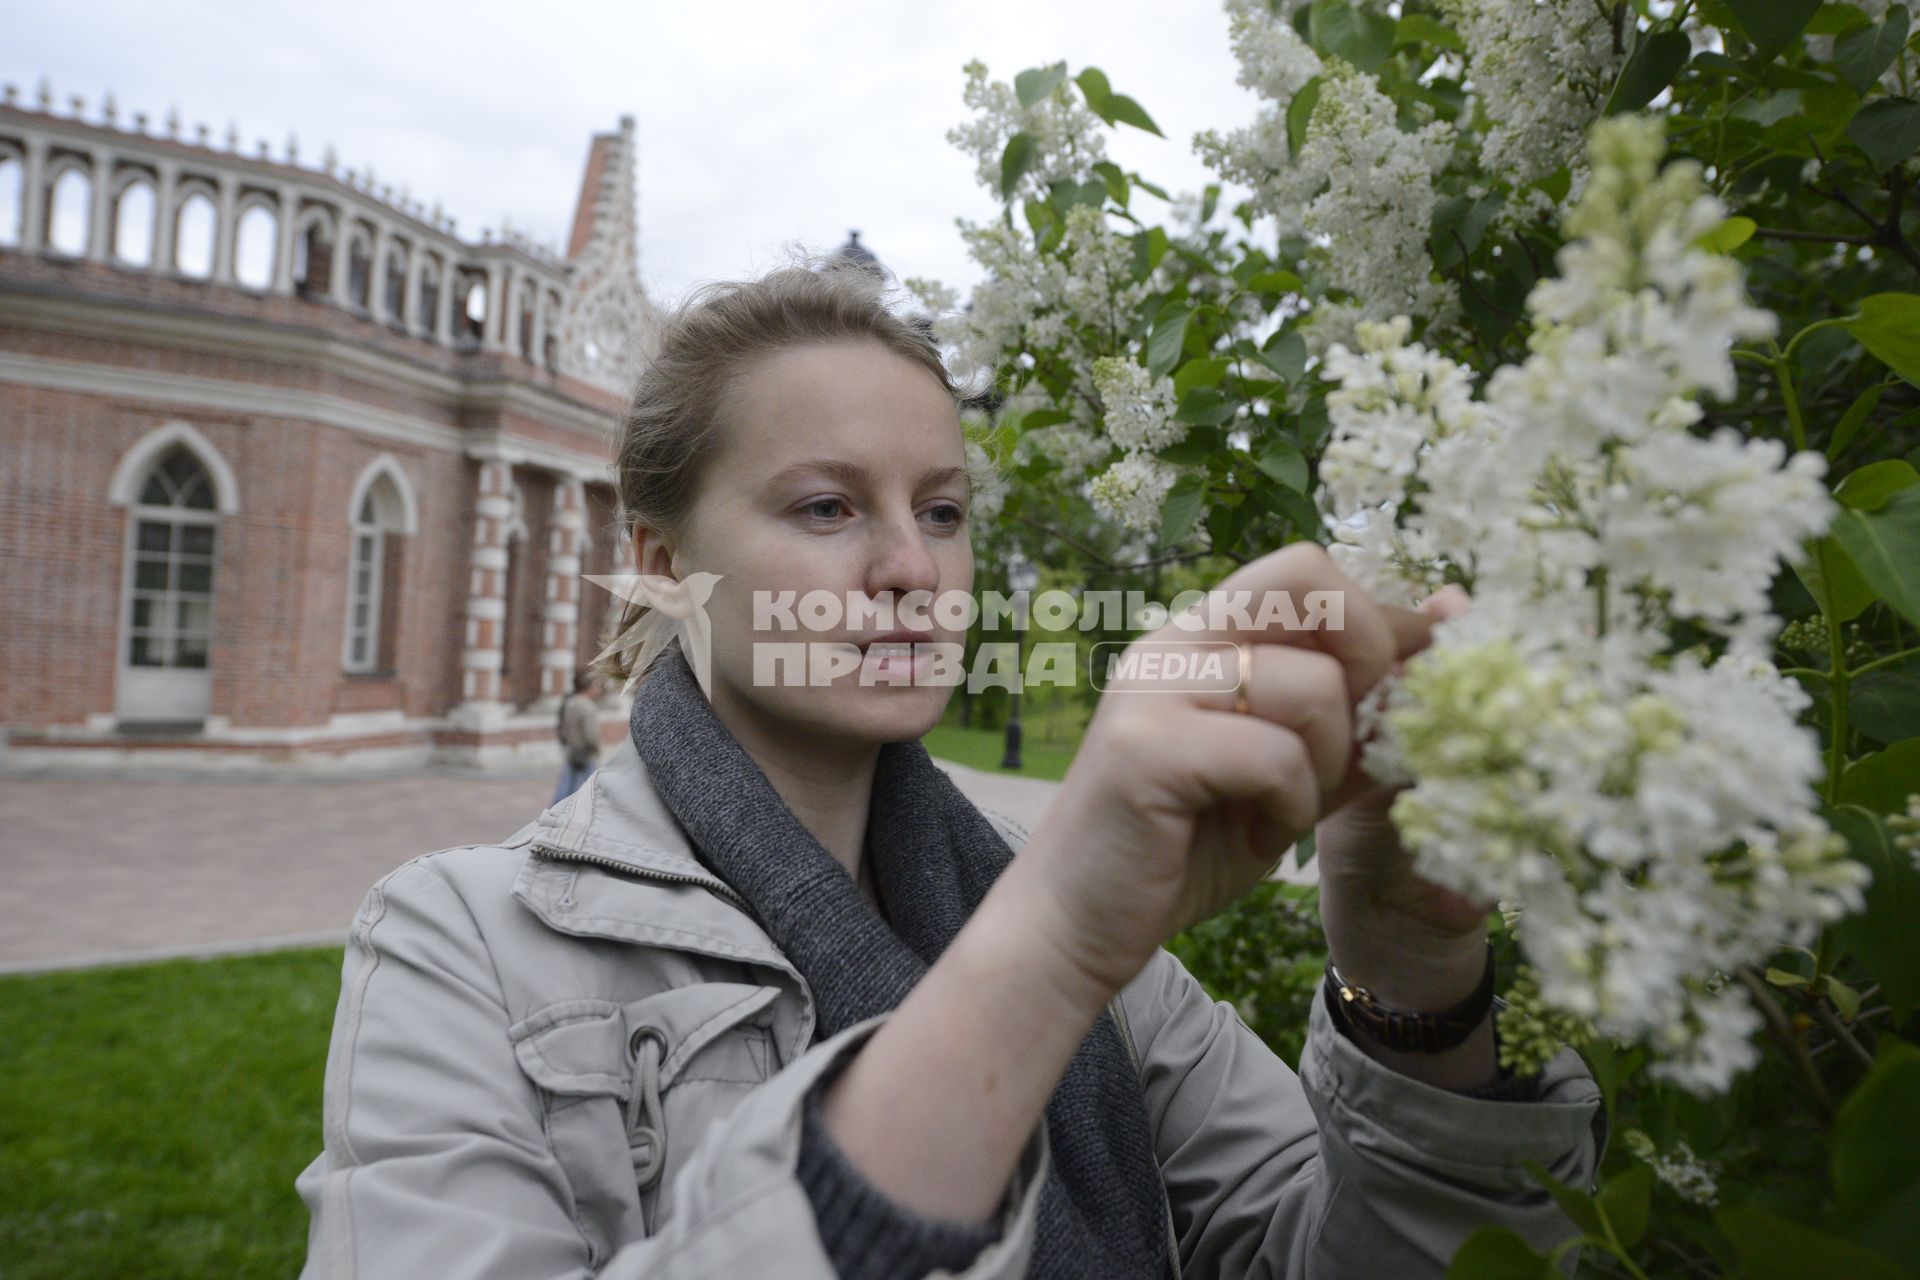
[[369, 634]]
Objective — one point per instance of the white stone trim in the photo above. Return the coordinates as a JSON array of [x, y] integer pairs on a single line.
[[386, 465], [123, 490]]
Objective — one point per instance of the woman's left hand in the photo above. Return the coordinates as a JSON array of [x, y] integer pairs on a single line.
[[1418, 946]]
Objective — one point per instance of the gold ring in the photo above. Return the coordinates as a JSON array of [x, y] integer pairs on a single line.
[[1246, 677]]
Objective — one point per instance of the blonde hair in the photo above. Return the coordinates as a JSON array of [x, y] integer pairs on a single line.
[[691, 359]]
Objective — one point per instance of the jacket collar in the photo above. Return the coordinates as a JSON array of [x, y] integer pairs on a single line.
[[638, 864]]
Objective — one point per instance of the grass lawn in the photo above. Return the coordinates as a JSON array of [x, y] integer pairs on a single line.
[[152, 1117], [983, 748]]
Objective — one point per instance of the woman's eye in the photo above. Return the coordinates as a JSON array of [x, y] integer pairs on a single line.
[[954, 515], [813, 508]]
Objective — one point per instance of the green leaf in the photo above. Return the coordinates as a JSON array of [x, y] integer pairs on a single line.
[[1182, 507], [1359, 36], [1275, 282], [1300, 114], [1864, 54], [1876, 1162], [1888, 130], [1577, 1205], [1093, 84], [1773, 24], [1116, 179], [1169, 335], [1889, 327], [1881, 783], [1120, 109], [1834, 581], [1776, 1248], [1771, 109], [1885, 704], [1418, 28], [1854, 418], [1625, 1200], [1652, 67], [1198, 374], [1286, 354], [1844, 997], [1149, 247], [1205, 408], [1282, 460], [1883, 936], [1459, 224], [1201, 446], [1885, 546], [1873, 486], [1495, 1253], [1728, 236], [1032, 85], [1014, 163], [1781, 978]]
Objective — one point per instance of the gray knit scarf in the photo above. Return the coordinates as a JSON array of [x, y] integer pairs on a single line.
[[1102, 1211]]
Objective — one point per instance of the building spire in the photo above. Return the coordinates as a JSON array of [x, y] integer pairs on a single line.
[[606, 309]]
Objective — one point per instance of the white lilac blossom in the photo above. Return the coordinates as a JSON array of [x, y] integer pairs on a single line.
[[1132, 489], [1360, 188], [988, 486], [1905, 828], [1541, 70], [1138, 407], [1687, 1174], [1374, 214], [1650, 810], [1029, 300], [1072, 449], [1069, 139]]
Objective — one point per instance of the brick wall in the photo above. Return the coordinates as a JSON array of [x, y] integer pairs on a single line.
[[280, 582]]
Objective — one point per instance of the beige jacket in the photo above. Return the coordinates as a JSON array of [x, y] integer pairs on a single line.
[[574, 1053]]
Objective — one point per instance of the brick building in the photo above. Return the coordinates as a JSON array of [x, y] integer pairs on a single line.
[[288, 469]]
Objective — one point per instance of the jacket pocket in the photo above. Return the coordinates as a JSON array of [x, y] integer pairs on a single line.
[[630, 1087]]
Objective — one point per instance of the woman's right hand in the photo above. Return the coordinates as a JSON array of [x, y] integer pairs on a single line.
[[1176, 804]]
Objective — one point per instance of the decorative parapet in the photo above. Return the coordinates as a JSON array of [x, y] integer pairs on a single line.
[[122, 191]]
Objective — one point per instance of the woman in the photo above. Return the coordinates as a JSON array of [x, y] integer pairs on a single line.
[[769, 997]]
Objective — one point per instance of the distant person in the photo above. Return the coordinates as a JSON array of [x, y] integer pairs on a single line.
[[579, 731]]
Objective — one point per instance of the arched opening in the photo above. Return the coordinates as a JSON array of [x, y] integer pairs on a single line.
[[194, 236], [359, 271], [313, 260], [255, 239], [67, 210], [471, 323], [133, 225], [551, 356], [168, 597], [374, 591], [13, 195], [396, 291], [429, 299]]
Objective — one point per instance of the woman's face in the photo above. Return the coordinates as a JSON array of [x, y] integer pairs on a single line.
[[841, 469]]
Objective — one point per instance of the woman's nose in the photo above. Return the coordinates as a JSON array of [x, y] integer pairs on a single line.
[[901, 560]]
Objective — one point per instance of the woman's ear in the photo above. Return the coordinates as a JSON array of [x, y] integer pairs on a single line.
[[647, 546]]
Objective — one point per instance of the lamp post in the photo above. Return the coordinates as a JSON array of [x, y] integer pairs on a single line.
[[1022, 578]]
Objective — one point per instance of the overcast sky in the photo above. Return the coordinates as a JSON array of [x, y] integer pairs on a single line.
[[759, 123]]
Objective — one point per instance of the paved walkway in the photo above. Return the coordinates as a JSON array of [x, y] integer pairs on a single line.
[[96, 868], [100, 870]]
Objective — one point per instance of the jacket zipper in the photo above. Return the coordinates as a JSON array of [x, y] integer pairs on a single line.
[[645, 873]]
